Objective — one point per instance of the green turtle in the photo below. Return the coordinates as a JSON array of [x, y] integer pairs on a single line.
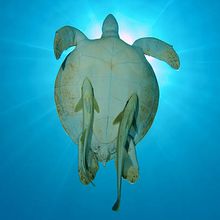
[[106, 95]]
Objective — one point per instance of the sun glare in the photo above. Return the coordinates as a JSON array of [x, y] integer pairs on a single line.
[[127, 37], [95, 31]]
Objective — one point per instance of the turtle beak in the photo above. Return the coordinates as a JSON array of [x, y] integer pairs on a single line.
[[110, 19], [110, 26]]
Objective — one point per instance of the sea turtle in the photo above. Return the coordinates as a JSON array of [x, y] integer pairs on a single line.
[[106, 95]]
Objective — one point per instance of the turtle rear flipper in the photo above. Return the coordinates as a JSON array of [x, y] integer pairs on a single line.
[[66, 37], [131, 169], [158, 49]]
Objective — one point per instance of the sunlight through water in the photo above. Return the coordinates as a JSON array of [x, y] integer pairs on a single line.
[[178, 158]]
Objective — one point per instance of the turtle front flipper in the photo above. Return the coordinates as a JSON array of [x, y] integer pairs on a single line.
[[158, 49], [131, 169], [87, 104], [66, 37], [125, 119]]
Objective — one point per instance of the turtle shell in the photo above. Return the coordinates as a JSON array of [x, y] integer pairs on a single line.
[[116, 70]]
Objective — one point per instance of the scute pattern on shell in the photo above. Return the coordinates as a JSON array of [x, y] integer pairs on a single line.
[[110, 64]]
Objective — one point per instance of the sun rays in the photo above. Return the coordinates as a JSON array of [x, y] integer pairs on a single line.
[[24, 44], [180, 154], [130, 30], [161, 13]]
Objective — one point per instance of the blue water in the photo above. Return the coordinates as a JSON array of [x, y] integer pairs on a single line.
[[179, 159]]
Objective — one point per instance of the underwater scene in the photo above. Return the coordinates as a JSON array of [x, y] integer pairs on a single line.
[[178, 160]]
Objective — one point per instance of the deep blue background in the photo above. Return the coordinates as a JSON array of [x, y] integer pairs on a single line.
[[179, 158]]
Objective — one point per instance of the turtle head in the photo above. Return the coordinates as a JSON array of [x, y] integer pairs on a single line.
[[110, 27]]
